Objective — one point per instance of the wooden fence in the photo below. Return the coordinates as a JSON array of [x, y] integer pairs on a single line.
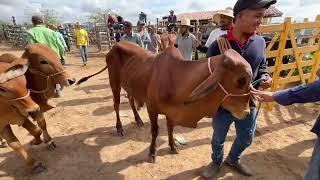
[[14, 34], [303, 51]]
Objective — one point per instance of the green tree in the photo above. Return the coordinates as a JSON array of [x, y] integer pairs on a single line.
[[50, 16], [98, 15]]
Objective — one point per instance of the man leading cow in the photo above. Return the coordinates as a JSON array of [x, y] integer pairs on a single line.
[[248, 17]]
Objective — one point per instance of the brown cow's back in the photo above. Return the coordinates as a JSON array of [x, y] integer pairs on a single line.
[[134, 72]]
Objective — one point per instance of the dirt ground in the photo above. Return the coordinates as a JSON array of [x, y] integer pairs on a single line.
[[83, 126]]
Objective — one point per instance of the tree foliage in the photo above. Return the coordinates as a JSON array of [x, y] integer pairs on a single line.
[[50, 16], [98, 15]]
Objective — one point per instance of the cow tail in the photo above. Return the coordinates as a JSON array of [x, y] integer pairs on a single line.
[[84, 79]]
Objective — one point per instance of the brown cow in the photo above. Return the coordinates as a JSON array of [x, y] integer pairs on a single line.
[[44, 72], [16, 106], [184, 91]]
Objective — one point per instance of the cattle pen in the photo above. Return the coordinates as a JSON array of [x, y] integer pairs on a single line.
[[88, 147]]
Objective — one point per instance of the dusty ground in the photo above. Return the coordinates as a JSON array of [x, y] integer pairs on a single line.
[[83, 126]]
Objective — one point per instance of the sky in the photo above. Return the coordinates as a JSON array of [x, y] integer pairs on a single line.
[[79, 10]]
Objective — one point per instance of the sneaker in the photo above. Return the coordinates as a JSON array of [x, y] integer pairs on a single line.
[[241, 168], [211, 170]]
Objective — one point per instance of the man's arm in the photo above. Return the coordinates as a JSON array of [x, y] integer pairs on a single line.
[[148, 39], [176, 43], [87, 37], [262, 71], [300, 94], [213, 50]]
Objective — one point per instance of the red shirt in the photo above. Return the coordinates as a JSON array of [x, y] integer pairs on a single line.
[[230, 37]]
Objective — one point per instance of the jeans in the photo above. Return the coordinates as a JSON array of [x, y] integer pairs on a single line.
[[314, 166], [244, 129], [84, 53]]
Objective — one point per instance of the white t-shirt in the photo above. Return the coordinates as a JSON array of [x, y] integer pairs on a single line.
[[185, 45], [214, 36]]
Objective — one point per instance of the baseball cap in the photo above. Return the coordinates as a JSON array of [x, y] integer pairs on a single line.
[[127, 24], [251, 4]]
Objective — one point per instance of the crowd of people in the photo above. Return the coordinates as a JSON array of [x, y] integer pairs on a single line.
[[237, 29]]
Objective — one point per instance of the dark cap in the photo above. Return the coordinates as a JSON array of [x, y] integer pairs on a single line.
[[36, 19], [171, 11], [140, 23], [127, 24], [251, 4]]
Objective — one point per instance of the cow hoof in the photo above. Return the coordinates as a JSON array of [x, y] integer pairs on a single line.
[[120, 132], [175, 150], [38, 168], [51, 145], [36, 141], [152, 158], [140, 123]]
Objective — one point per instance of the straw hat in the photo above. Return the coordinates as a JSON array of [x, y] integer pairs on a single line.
[[227, 12], [185, 22]]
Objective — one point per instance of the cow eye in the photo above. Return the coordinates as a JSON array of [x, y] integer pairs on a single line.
[[43, 62], [241, 82]]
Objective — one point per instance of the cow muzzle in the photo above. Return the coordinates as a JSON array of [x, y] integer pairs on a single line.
[[34, 113]]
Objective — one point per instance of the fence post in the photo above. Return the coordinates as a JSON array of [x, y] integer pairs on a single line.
[[282, 46], [315, 67]]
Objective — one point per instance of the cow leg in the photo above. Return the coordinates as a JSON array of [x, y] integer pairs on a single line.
[[154, 131], [116, 89], [3, 143], [36, 166], [135, 112], [46, 137], [172, 144], [34, 131]]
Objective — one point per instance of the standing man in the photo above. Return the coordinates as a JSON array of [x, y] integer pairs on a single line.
[[301, 94], [242, 38], [129, 35], [224, 20], [168, 38], [172, 19], [82, 40], [155, 40], [145, 37], [64, 32], [143, 17], [60, 37], [40, 34], [186, 42]]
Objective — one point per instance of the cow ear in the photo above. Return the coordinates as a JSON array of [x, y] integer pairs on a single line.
[[203, 90]]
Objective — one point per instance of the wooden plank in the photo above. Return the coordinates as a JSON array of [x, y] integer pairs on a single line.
[[271, 28], [300, 50], [315, 67], [293, 79], [298, 56], [282, 44], [292, 65], [305, 25], [273, 40]]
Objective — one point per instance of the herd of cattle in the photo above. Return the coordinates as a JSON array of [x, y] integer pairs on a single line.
[[183, 91]]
